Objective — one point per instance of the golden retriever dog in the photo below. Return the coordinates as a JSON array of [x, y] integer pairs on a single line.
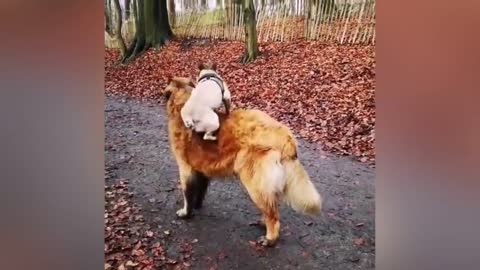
[[258, 150]]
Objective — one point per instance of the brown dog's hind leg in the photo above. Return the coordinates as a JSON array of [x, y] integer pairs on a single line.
[[267, 203], [272, 223]]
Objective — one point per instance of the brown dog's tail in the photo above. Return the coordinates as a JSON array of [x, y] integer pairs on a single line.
[[300, 193]]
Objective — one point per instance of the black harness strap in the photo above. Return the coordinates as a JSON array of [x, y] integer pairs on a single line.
[[215, 78]]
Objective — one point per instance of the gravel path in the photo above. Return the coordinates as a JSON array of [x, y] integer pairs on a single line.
[[342, 237]]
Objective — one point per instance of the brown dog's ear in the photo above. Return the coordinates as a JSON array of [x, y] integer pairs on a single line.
[[167, 93], [181, 82], [214, 66], [172, 81], [201, 66]]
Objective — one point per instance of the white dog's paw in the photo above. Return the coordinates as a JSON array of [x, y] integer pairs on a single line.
[[189, 124], [182, 213], [209, 137]]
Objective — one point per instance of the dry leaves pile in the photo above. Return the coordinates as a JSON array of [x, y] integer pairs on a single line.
[[326, 94], [129, 242]]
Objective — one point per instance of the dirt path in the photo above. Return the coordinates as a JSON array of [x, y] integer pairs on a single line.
[[342, 237]]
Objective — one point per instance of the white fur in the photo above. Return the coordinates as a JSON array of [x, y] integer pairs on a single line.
[[300, 193], [198, 112], [183, 211], [274, 179]]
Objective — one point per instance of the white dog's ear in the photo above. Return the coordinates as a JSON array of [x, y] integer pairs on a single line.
[[191, 83]]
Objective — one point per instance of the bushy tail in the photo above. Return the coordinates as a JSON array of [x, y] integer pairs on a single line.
[[300, 193]]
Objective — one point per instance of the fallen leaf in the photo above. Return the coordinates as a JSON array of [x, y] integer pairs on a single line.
[[130, 263], [122, 203], [170, 261], [359, 241]]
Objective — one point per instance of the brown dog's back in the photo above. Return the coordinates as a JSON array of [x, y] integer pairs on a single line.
[[241, 130]]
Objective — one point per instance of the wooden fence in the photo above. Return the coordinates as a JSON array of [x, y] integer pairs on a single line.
[[330, 21]]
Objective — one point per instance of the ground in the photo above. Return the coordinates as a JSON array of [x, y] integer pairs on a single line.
[[142, 195], [325, 92]]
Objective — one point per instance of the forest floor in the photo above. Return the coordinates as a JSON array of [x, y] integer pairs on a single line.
[[325, 93], [141, 177]]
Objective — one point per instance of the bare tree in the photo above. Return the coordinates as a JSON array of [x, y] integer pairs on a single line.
[[127, 9], [153, 27], [108, 18], [118, 29], [171, 9], [251, 42]]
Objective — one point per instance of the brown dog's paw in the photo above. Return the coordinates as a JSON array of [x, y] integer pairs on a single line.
[[183, 213], [262, 240]]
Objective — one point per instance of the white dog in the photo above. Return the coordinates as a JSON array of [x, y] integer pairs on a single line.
[[209, 94]]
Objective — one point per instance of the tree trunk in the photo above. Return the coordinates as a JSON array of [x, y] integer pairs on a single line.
[[127, 9], [138, 43], [153, 28], [238, 7], [108, 18], [171, 9], [164, 31], [251, 42], [118, 29]]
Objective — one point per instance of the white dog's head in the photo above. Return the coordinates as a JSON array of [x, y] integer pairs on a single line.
[[207, 68]]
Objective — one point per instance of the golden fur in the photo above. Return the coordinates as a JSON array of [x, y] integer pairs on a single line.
[[251, 145]]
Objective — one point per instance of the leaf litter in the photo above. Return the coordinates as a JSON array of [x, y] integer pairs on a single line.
[[325, 93], [130, 243]]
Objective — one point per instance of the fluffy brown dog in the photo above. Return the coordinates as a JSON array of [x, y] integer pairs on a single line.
[[251, 145]]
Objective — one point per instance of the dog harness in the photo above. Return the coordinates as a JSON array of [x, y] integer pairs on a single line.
[[215, 78]]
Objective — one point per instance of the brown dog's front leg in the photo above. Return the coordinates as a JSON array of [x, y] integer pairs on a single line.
[[194, 189], [188, 195], [201, 184]]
